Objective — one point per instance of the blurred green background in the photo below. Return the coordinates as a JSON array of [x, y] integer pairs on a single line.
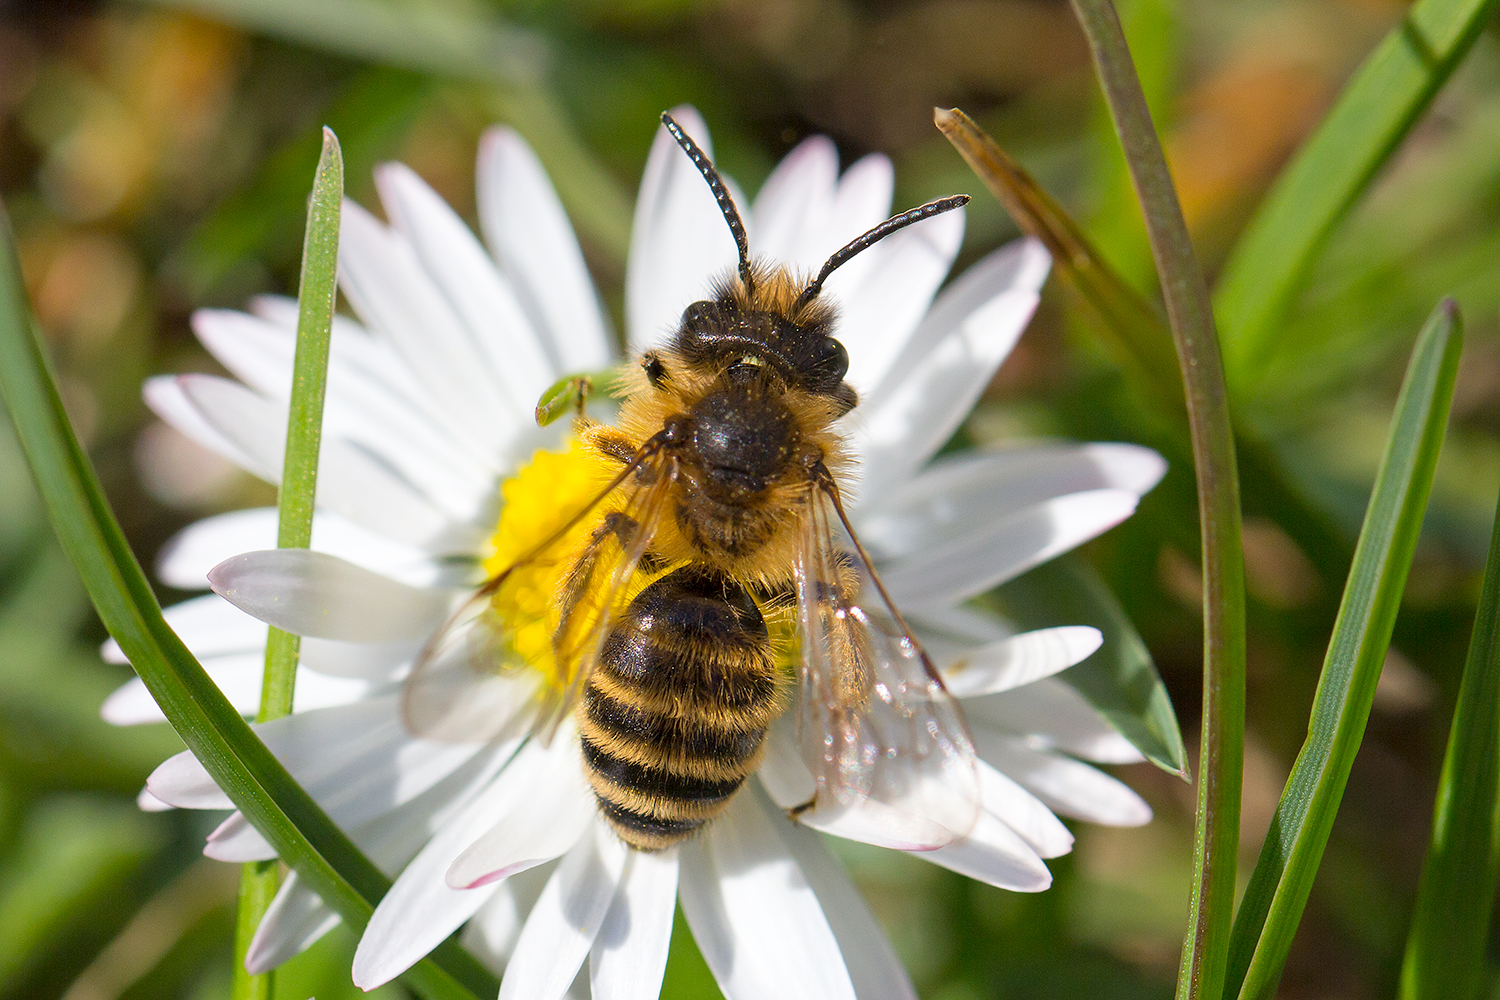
[[155, 158]]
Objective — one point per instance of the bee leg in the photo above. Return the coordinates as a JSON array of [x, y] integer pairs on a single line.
[[795, 811], [581, 577]]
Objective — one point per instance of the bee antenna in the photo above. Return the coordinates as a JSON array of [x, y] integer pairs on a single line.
[[874, 236], [721, 195]]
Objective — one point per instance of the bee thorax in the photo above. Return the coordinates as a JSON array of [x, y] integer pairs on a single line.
[[742, 442]]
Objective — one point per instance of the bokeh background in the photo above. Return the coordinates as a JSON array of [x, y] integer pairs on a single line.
[[155, 158]]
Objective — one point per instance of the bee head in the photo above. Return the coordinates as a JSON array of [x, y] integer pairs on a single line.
[[748, 335], [760, 313]]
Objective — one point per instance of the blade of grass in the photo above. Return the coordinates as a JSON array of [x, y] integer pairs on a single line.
[[1374, 113], [1283, 877], [1120, 679], [316, 294], [239, 762], [1221, 755], [1445, 950]]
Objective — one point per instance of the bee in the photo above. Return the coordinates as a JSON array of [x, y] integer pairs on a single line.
[[724, 506]]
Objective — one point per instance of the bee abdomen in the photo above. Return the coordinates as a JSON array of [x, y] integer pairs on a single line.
[[676, 710]]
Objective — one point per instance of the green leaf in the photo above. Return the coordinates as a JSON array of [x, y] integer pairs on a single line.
[[1445, 951], [1120, 679], [1278, 890], [239, 762], [1376, 110]]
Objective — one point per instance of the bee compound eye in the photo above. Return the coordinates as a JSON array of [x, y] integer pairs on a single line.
[[700, 316], [830, 363]]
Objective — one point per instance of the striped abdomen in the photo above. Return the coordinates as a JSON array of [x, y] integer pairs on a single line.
[[677, 708]]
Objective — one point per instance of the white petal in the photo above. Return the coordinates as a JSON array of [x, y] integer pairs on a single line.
[[313, 593], [356, 760], [366, 401], [458, 265], [946, 500], [368, 660], [187, 557], [544, 808], [1067, 786], [209, 625], [1052, 715], [146, 802], [529, 234], [352, 346], [359, 762], [629, 956], [1020, 660], [1019, 266], [352, 480], [756, 920], [1024, 813], [421, 909], [566, 918], [880, 314], [994, 854], [491, 934], [183, 782], [238, 675], [383, 279], [898, 432], [1004, 548], [876, 972], [875, 822], [679, 243], [296, 918], [795, 201], [237, 842], [782, 771], [164, 395]]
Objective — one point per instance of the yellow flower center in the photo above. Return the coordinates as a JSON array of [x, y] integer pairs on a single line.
[[539, 500]]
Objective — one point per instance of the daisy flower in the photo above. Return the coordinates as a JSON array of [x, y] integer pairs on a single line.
[[432, 463]]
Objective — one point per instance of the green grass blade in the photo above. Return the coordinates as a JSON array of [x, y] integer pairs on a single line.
[[255, 780], [1445, 951], [1120, 680], [1376, 110], [1190, 315], [317, 292], [1278, 890], [316, 296]]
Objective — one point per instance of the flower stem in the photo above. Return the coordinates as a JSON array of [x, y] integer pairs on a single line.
[[1191, 318], [299, 479]]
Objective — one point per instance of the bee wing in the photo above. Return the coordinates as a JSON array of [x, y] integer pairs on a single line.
[[471, 685], [888, 748]]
